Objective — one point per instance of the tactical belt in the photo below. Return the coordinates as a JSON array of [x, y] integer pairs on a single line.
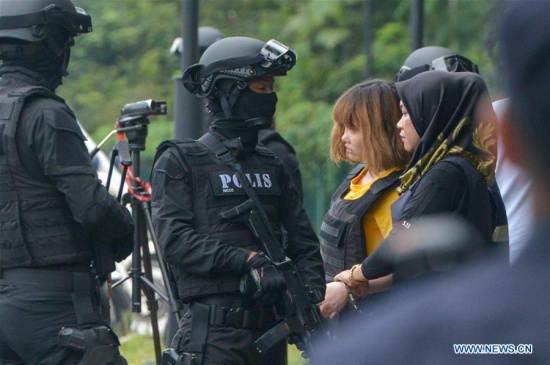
[[227, 312], [51, 279], [79, 284], [217, 312]]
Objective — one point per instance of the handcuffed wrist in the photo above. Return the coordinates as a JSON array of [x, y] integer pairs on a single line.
[[352, 281], [351, 298]]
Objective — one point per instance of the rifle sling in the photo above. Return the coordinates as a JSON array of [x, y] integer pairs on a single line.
[[223, 153]]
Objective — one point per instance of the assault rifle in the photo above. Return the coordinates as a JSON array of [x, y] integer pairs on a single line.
[[303, 322], [302, 316]]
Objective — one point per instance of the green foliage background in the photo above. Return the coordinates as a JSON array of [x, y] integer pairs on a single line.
[[127, 59]]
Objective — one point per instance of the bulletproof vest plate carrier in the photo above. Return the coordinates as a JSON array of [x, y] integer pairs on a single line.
[[215, 189], [36, 225], [342, 236]]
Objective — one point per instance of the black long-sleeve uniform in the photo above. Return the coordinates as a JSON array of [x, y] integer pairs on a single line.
[[55, 214], [191, 189], [201, 252]]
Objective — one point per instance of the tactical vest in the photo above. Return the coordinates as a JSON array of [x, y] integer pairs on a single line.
[[265, 136], [479, 199], [342, 235], [36, 225], [215, 189]]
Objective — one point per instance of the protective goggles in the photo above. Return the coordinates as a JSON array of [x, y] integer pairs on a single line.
[[276, 53], [453, 63]]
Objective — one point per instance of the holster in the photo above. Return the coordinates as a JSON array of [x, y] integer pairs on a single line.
[[99, 345], [171, 357], [197, 345]]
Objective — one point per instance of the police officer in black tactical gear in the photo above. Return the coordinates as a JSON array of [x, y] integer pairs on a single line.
[[267, 136], [60, 229], [231, 287]]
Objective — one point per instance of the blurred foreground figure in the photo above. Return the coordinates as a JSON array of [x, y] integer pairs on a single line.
[[485, 303], [61, 232]]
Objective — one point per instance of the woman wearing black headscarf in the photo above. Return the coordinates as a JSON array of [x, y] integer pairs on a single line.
[[448, 122]]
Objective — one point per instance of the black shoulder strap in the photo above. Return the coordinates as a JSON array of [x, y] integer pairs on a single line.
[[217, 147], [353, 173], [163, 146], [378, 188], [344, 185], [386, 182], [28, 91], [24, 93], [269, 135], [14, 99]]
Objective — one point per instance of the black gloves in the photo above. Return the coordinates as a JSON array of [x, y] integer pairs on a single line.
[[262, 281], [122, 247]]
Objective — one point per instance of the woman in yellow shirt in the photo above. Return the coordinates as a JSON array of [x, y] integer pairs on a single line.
[[359, 217]]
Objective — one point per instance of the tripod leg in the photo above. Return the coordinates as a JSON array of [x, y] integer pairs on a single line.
[[174, 305], [149, 293]]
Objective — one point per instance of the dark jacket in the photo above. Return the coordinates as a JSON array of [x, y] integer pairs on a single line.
[[58, 206], [448, 187]]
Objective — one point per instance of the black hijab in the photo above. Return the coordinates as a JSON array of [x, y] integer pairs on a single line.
[[453, 115]]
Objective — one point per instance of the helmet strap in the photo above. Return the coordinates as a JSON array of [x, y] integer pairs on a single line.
[[60, 43], [228, 100], [259, 123], [226, 107]]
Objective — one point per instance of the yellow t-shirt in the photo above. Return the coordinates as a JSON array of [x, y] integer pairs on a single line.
[[377, 222]]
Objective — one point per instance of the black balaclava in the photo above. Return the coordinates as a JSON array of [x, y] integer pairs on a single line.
[[49, 59], [249, 108], [441, 106], [251, 105]]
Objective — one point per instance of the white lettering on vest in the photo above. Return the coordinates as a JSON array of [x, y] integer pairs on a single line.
[[259, 180], [267, 180], [225, 180], [236, 181], [252, 183]]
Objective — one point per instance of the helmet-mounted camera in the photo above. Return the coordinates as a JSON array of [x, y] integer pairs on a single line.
[[277, 54], [238, 58]]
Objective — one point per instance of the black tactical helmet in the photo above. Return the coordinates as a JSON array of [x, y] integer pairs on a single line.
[[239, 59], [434, 58], [32, 20]]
